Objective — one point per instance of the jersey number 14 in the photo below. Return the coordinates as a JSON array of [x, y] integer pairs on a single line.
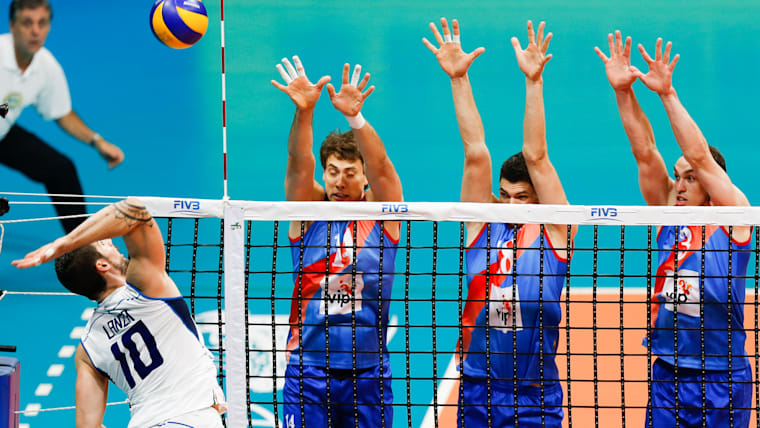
[[142, 369]]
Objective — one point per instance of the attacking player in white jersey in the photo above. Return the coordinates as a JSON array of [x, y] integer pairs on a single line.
[[141, 335]]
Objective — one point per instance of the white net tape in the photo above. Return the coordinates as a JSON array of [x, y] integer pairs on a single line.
[[468, 212]]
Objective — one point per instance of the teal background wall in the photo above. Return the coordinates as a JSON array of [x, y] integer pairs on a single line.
[[163, 108]]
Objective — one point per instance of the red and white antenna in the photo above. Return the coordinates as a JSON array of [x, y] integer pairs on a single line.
[[224, 105]]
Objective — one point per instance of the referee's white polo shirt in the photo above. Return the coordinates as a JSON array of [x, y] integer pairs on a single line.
[[43, 85]]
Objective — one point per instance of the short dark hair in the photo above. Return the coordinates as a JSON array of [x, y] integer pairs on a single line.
[[76, 271], [342, 145], [515, 169], [17, 5], [716, 154]]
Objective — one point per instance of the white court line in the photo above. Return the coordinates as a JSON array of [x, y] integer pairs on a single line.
[[392, 330], [55, 370], [32, 409], [87, 314], [77, 333], [444, 390], [66, 351], [23, 425], [43, 389]]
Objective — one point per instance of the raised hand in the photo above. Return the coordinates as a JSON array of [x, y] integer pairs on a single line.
[[350, 99], [453, 60], [618, 66], [660, 75], [42, 255], [533, 58], [301, 91]]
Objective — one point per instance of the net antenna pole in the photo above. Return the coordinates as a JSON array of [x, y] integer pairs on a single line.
[[5, 348], [235, 315], [4, 208], [224, 101]]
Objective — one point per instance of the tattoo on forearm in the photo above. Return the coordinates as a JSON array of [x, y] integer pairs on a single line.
[[132, 214]]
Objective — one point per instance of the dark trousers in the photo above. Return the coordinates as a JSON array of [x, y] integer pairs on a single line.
[[27, 154]]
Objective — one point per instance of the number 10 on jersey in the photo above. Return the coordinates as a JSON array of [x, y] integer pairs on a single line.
[[142, 369]]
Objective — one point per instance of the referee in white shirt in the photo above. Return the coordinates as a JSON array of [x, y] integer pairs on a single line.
[[29, 74]]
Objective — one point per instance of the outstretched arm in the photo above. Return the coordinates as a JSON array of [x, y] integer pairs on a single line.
[[130, 220], [384, 182], [695, 149], [655, 183], [299, 174], [75, 126], [545, 180], [476, 177], [91, 392]]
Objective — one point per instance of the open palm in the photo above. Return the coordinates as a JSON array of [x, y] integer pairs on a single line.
[[618, 65], [301, 91], [350, 99], [659, 78], [453, 60], [533, 58]]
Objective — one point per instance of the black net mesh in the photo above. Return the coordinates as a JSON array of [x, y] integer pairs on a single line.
[[568, 351], [194, 260]]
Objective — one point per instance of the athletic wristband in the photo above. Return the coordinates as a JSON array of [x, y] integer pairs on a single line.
[[95, 138], [356, 122]]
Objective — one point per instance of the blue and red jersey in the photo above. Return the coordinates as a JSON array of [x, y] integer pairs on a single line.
[[330, 291], [531, 309], [701, 303]]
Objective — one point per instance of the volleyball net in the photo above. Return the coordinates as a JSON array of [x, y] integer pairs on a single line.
[[250, 288]]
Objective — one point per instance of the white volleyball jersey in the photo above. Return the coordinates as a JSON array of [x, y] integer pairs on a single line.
[[150, 348], [43, 84]]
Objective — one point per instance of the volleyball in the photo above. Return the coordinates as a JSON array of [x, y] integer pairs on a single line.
[[178, 23]]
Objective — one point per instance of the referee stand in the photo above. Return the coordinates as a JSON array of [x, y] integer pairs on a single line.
[[9, 389]]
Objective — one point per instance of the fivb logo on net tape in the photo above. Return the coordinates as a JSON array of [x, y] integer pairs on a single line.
[[391, 208], [604, 214], [177, 207]]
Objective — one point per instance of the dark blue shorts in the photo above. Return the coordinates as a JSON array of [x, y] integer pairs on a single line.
[[474, 406], [369, 411], [691, 410]]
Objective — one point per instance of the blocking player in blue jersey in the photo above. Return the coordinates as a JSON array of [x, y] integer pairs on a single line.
[[698, 300], [522, 382], [338, 320]]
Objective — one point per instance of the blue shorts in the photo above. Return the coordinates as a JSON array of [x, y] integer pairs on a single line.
[[473, 405], [369, 411], [690, 409]]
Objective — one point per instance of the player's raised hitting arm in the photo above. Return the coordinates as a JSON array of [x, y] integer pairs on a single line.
[[694, 147], [384, 182], [476, 177], [655, 183], [546, 182], [130, 220], [299, 175]]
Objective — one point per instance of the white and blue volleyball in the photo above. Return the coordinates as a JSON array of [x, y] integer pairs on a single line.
[[178, 23]]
